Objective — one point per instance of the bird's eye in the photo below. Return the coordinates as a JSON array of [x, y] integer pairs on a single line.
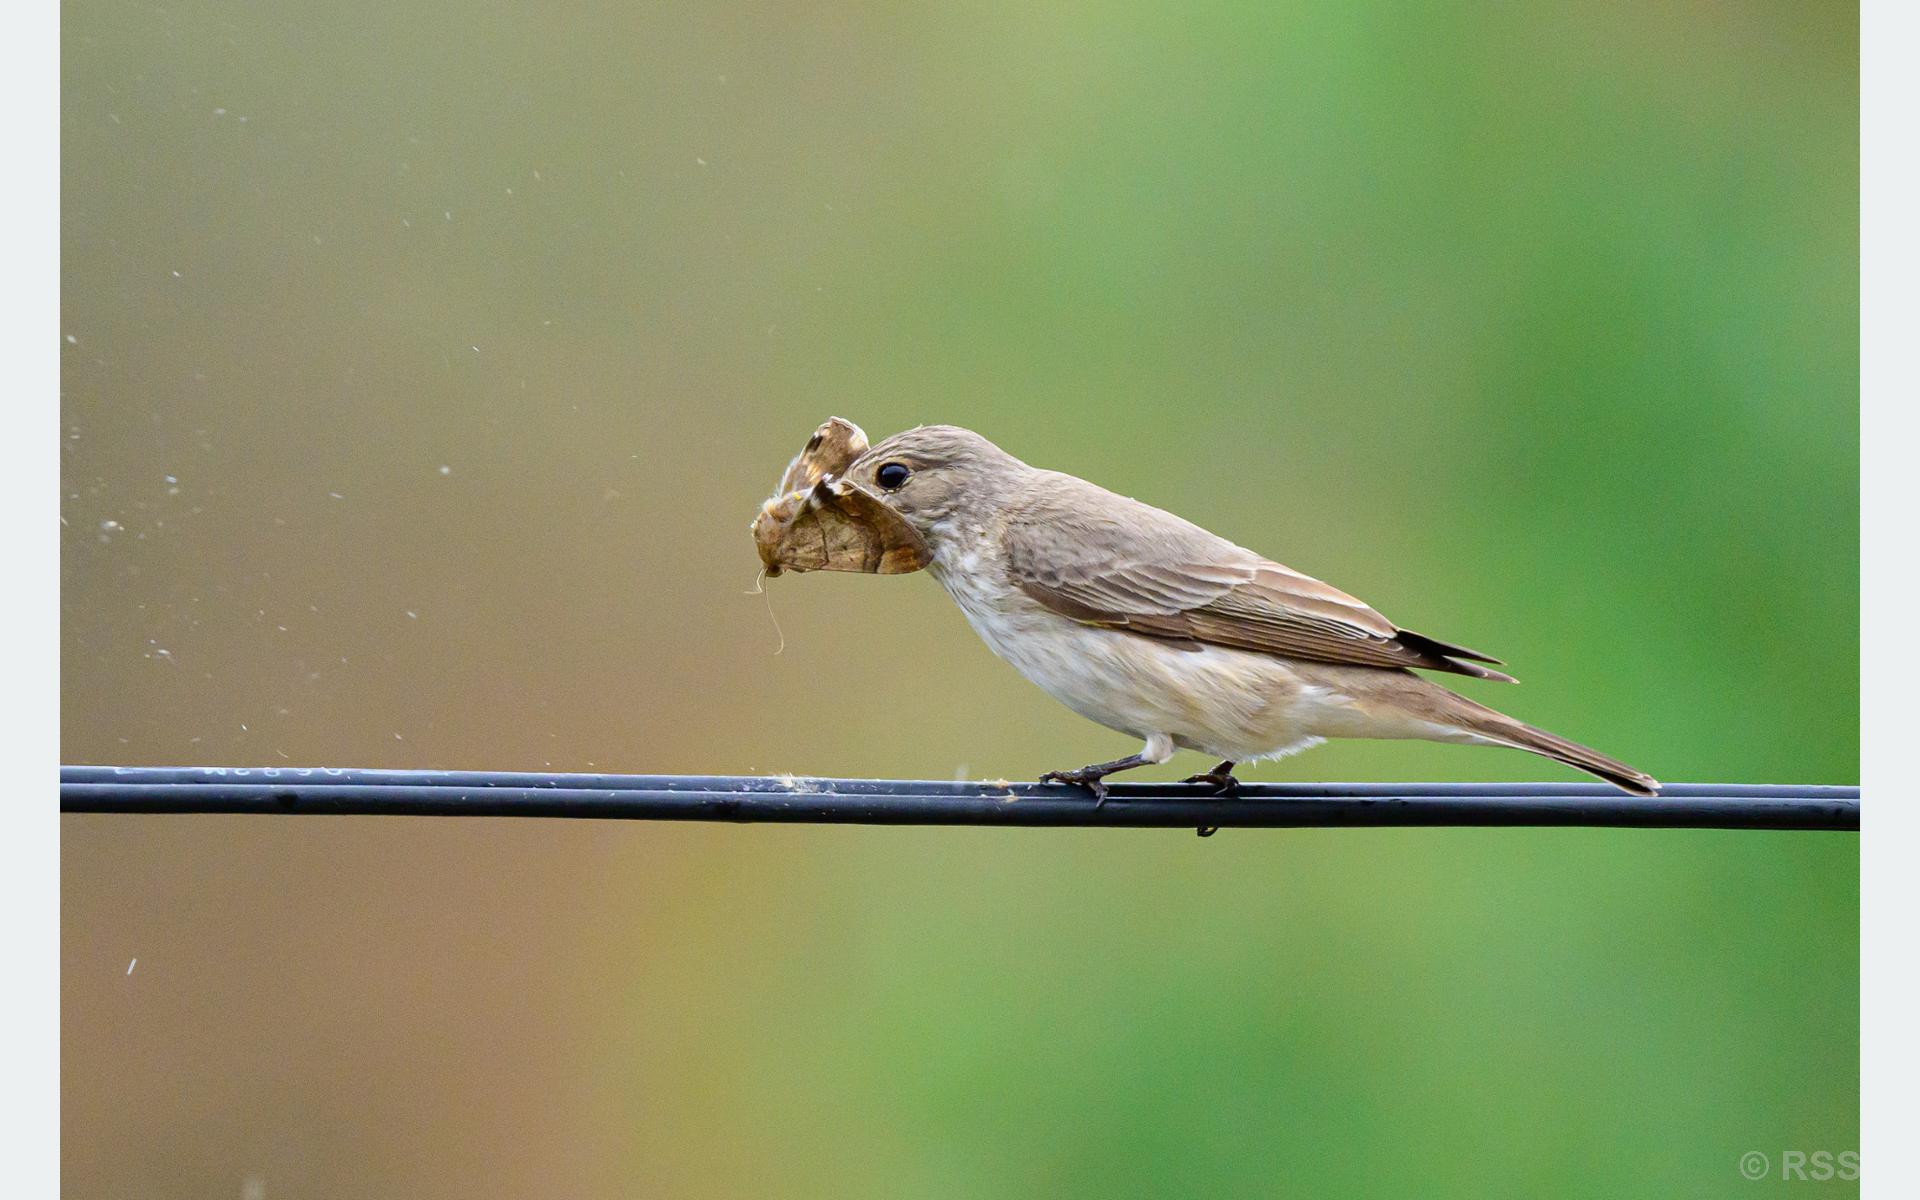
[[892, 476]]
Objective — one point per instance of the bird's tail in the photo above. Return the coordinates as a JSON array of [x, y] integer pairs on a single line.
[[1484, 722]]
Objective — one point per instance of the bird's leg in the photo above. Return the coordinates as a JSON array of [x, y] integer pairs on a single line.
[[1089, 777], [1221, 777]]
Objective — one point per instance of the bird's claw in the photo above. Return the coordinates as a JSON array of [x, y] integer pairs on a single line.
[[1080, 779], [1224, 784]]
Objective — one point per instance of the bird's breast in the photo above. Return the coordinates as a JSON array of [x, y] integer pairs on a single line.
[[1230, 703], [975, 577]]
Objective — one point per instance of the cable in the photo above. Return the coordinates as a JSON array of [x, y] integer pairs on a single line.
[[348, 792]]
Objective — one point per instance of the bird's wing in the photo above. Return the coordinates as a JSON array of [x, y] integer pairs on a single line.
[[1107, 560]]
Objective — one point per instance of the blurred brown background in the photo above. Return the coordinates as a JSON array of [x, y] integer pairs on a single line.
[[423, 366]]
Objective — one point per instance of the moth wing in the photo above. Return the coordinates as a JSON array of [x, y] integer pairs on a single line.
[[837, 527], [828, 453]]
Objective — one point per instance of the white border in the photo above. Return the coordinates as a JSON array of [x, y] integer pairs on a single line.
[[29, 605], [1890, 513]]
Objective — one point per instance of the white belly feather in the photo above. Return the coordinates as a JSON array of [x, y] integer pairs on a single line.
[[1226, 703]]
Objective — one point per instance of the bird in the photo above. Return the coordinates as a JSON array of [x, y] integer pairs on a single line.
[[1138, 619]]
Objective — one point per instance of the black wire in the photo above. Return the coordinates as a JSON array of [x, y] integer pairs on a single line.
[[349, 792]]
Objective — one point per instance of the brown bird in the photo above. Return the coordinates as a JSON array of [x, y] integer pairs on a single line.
[[1131, 616]]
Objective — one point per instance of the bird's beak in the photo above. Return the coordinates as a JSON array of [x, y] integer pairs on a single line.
[[818, 521]]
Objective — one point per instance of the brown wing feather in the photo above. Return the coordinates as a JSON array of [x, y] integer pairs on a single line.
[[1108, 560]]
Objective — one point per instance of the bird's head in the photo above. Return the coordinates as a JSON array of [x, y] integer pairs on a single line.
[[938, 478]]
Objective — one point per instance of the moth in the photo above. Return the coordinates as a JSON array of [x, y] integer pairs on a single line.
[[818, 520]]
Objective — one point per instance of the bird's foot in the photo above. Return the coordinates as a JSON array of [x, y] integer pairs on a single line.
[[1223, 785], [1220, 778], [1084, 777], [1089, 777]]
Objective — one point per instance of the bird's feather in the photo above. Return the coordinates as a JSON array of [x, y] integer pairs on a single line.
[[1127, 565]]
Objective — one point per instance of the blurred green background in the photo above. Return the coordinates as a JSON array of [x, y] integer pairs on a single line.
[[424, 364]]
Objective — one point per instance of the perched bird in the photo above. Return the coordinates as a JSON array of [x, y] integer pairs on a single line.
[[1133, 617]]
